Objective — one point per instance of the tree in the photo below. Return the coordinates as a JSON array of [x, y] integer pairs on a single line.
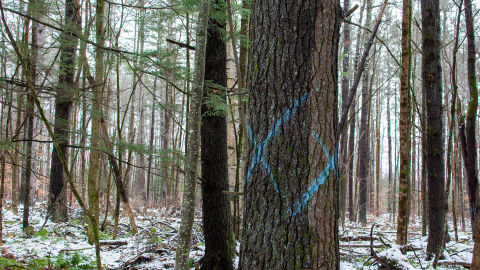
[[363, 152], [404, 127], [193, 128], [432, 79], [217, 220], [291, 191], [345, 86], [467, 132], [57, 199], [95, 142]]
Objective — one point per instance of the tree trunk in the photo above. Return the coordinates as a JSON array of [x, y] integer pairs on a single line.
[[291, 191], [139, 185], [57, 199], [30, 70], [152, 135], [95, 142], [217, 221], [404, 181], [193, 127], [432, 78], [345, 88], [389, 140], [351, 140], [469, 147], [15, 166], [351, 152], [424, 163], [363, 154]]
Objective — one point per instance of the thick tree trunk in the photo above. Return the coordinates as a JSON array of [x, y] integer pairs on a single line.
[[57, 199], [291, 191], [404, 127], [217, 221], [432, 79]]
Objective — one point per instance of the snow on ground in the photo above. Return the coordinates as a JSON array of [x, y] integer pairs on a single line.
[[65, 245]]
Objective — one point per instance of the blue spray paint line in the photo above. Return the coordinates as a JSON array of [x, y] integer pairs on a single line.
[[258, 151], [320, 180]]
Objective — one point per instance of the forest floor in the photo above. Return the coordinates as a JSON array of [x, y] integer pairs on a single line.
[[65, 245]]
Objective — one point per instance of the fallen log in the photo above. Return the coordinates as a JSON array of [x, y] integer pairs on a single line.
[[362, 245], [357, 238], [113, 242], [454, 263]]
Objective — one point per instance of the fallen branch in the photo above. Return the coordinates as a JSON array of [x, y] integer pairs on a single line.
[[383, 264], [182, 45]]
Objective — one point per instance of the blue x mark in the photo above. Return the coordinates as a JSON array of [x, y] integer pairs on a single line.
[[259, 158]]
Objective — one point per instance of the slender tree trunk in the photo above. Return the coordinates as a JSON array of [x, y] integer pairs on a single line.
[[345, 88], [194, 118], [351, 149], [424, 163], [363, 154], [291, 198], [469, 149], [57, 201], [152, 133], [95, 142], [351, 140], [404, 181], [30, 70], [15, 166], [452, 124], [432, 78]]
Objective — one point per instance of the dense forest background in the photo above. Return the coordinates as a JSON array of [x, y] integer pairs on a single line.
[[115, 106]]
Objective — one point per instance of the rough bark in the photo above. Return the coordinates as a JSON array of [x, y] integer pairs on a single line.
[[217, 221], [291, 191], [57, 199], [403, 180], [432, 79]]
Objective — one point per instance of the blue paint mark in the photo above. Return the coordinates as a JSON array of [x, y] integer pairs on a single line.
[[297, 207], [258, 150], [320, 180]]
